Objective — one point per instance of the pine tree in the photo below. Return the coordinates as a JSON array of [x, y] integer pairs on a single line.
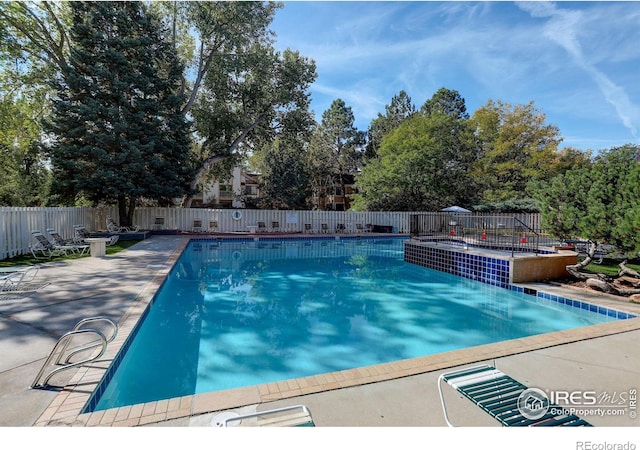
[[119, 132]]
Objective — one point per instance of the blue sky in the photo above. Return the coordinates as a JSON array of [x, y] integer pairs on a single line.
[[579, 62]]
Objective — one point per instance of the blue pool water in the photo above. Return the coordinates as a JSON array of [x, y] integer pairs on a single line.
[[240, 313]]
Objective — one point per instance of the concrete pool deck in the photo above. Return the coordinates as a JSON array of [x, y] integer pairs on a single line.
[[604, 358]]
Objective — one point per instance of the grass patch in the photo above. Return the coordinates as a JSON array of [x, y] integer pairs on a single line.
[[27, 260], [610, 267]]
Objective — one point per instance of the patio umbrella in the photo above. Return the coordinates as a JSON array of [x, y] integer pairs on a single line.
[[455, 209]]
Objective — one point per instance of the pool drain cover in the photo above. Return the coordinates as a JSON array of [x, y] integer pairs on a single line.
[[218, 420]]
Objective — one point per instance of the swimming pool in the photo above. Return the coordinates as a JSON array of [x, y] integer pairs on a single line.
[[244, 312]]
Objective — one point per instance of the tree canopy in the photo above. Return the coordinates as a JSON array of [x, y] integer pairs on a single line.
[[241, 97], [424, 164], [400, 109], [335, 150], [248, 100], [284, 182], [517, 146], [597, 202], [118, 130]]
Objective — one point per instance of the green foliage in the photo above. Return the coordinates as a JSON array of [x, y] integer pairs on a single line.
[[120, 133], [335, 151], [516, 146], [34, 39], [448, 102], [423, 165], [526, 205], [284, 182], [24, 177], [596, 202], [400, 109], [249, 100]]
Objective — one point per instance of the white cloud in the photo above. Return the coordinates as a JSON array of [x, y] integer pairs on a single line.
[[576, 61], [563, 27]]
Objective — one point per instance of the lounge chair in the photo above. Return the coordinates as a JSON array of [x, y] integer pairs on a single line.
[[308, 228], [113, 227], [275, 226], [20, 282], [261, 227], [325, 228], [74, 247], [197, 225], [44, 248], [213, 226], [289, 416], [340, 228], [362, 229], [80, 234], [114, 239], [508, 401]]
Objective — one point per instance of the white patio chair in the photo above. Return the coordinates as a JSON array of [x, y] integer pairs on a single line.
[[44, 248], [71, 245], [21, 282]]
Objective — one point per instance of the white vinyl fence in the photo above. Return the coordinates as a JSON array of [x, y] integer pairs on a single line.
[[16, 224]]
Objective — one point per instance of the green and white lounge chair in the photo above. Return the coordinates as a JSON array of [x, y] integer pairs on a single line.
[[505, 399], [289, 416]]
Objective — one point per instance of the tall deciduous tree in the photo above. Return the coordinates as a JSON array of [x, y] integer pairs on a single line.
[[35, 35], [335, 151], [24, 177], [284, 183], [422, 166], [248, 100], [209, 37], [517, 146], [425, 163], [222, 30], [119, 131], [33, 45]]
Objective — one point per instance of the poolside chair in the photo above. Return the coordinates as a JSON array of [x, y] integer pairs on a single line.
[[275, 226], [363, 229], [325, 228], [289, 416], [114, 238], [80, 234], [113, 227], [261, 227], [505, 399], [213, 226], [6, 272], [340, 228], [308, 228], [44, 248], [197, 225], [20, 282], [60, 241]]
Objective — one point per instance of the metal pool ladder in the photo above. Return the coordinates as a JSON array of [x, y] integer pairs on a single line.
[[61, 349]]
